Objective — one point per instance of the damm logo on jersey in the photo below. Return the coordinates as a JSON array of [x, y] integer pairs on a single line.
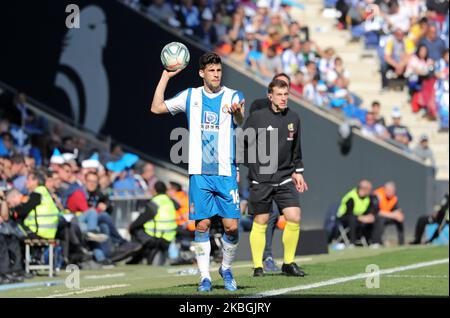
[[210, 121]]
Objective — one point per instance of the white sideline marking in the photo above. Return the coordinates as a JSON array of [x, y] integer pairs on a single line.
[[417, 276], [341, 280], [87, 290], [104, 276]]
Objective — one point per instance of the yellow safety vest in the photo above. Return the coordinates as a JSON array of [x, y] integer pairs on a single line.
[[164, 224], [360, 204], [43, 220]]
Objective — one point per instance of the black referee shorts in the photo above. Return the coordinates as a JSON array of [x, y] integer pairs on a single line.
[[261, 197]]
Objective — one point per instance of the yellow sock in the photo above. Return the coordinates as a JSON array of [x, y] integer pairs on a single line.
[[258, 243], [290, 240]]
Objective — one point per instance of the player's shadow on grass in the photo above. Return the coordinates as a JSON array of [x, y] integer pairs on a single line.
[[280, 274], [191, 292]]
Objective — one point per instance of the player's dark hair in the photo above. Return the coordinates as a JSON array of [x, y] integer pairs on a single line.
[[277, 76], [209, 58], [277, 83], [160, 187]]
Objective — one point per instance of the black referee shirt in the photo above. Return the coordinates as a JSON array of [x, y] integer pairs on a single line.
[[289, 144], [261, 103]]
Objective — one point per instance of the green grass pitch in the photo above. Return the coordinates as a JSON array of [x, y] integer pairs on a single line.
[[146, 281]]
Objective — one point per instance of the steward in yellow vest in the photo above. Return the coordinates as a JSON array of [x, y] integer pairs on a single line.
[[357, 213], [156, 227], [39, 213]]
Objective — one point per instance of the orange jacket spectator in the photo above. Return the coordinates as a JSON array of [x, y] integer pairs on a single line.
[[386, 204], [182, 215]]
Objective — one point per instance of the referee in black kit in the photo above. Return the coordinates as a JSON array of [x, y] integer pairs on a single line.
[[280, 182]]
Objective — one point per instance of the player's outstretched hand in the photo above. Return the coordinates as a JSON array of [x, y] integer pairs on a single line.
[[170, 74], [237, 107], [299, 182]]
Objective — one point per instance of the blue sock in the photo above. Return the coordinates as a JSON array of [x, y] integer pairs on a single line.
[[201, 236], [231, 238]]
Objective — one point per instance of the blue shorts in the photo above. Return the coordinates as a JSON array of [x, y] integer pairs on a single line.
[[211, 195]]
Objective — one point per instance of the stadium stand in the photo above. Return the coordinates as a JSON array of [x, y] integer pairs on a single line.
[[303, 39]]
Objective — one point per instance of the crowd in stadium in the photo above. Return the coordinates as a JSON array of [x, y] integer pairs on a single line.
[[410, 36], [44, 172]]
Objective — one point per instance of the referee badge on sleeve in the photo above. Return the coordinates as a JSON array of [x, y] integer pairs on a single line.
[[291, 132]]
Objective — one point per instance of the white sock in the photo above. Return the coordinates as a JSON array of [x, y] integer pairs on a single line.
[[202, 253], [229, 253]]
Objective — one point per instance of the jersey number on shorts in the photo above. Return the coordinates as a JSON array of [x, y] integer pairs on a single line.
[[235, 195]]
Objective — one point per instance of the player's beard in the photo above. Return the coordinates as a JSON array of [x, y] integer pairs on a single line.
[[213, 88]]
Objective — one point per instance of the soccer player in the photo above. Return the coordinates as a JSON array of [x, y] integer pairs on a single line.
[[213, 112], [280, 185]]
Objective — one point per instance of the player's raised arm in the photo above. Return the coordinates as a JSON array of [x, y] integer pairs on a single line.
[[237, 109], [158, 106]]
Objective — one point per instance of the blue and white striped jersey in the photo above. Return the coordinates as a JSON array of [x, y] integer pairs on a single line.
[[211, 129]]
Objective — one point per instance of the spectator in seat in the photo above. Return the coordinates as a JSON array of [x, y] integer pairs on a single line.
[[297, 84], [149, 177], [291, 58], [310, 52], [326, 63], [418, 30], [421, 81], [189, 16], [376, 110], [219, 29], [163, 11], [424, 152], [389, 210], [273, 39], [116, 248], [310, 71], [19, 173], [6, 144], [434, 44], [397, 131], [75, 201], [270, 63], [238, 54], [339, 71], [372, 129], [397, 52], [311, 92]]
